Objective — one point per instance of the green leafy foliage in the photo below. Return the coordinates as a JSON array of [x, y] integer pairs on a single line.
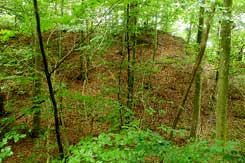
[[175, 132], [135, 145], [5, 151], [16, 69], [131, 145], [101, 24], [203, 152], [5, 34]]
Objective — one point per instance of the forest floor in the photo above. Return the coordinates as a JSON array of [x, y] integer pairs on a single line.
[[159, 89]]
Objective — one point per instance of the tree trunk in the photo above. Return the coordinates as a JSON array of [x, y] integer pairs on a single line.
[[198, 82], [129, 100], [84, 54], [189, 31], [2, 111], [197, 105], [241, 53], [36, 90], [222, 85], [155, 48], [196, 67], [48, 77], [82, 59], [131, 51], [60, 48]]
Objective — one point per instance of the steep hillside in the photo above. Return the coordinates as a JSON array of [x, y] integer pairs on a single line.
[[87, 107]]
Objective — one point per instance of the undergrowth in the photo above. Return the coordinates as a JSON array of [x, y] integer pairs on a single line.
[[5, 147], [134, 145]]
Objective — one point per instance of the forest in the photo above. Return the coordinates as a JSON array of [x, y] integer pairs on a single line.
[[122, 81]]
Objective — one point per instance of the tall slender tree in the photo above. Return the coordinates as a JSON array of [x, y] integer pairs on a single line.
[[223, 78], [131, 48], [48, 77], [201, 53], [198, 82], [36, 89], [155, 47]]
